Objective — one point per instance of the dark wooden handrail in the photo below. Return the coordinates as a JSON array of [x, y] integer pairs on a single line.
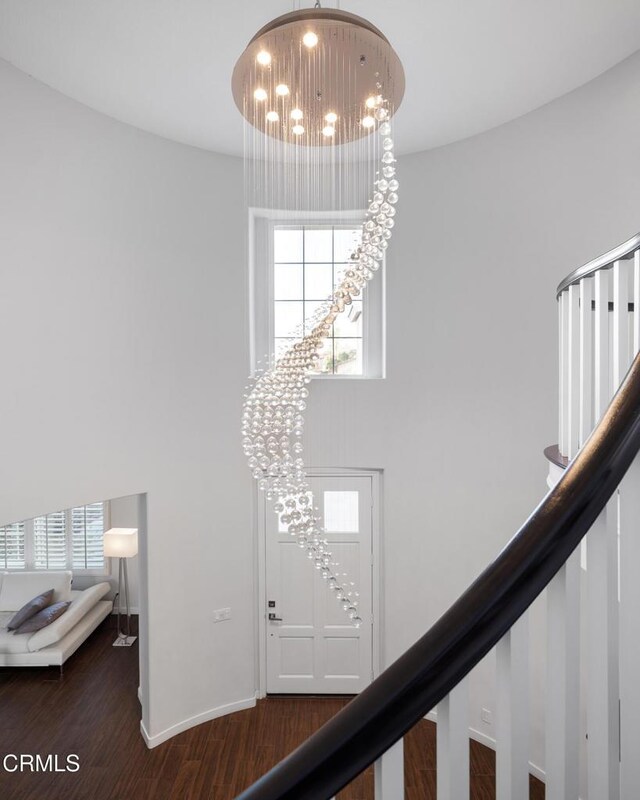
[[390, 706]]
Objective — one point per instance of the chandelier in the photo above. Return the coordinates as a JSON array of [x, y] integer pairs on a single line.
[[316, 77], [318, 89]]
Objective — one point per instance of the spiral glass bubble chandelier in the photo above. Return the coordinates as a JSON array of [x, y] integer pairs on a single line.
[[318, 89]]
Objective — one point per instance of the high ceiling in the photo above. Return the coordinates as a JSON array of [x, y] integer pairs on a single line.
[[165, 65]]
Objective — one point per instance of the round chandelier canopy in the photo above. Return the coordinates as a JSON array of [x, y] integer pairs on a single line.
[[318, 77]]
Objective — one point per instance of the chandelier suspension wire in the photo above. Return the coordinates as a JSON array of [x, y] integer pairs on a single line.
[[318, 89]]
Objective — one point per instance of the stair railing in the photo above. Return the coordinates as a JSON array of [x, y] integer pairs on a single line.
[[597, 496], [599, 334]]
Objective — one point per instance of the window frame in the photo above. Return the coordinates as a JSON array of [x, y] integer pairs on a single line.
[[29, 545], [262, 224], [3, 565]]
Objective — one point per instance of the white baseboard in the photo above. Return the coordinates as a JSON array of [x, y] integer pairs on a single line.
[[490, 742], [191, 722]]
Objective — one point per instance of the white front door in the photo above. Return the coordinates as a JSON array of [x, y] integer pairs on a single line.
[[312, 647]]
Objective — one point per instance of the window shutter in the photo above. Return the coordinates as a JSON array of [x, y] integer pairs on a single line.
[[88, 533], [12, 546], [50, 541]]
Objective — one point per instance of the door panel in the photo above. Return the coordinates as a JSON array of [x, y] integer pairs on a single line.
[[296, 656], [314, 648], [297, 596]]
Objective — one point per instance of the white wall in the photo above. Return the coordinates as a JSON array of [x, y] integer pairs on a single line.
[[152, 233], [486, 229], [121, 261]]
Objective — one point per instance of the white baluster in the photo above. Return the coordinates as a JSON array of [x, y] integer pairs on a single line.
[[602, 656], [630, 633], [563, 442], [629, 510], [602, 590], [586, 372], [621, 344], [636, 302], [573, 380], [512, 713], [586, 359], [453, 745], [602, 354], [563, 684], [561, 374], [389, 773]]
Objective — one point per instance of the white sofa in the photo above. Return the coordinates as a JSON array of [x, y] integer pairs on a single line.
[[52, 645]]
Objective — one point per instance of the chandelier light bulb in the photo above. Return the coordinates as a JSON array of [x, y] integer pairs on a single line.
[[296, 114], [370, 102], [282, 90], [331, 117], [260, 94], [368, 122], [298, 130], [272, 116], [263, 58], [310, 39], [328, 130]]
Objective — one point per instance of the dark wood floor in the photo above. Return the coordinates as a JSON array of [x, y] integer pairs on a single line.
[[93, 711]]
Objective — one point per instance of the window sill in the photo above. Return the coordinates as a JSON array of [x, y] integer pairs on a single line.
[[348, 377]]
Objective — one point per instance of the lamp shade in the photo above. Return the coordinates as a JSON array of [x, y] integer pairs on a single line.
[[121, 542]]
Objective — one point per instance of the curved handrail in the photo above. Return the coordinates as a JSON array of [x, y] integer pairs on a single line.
[[604, 261], [380, 715]]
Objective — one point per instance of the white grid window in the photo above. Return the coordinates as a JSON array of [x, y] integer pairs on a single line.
[[70, 539], [297, 259], [307, 264]]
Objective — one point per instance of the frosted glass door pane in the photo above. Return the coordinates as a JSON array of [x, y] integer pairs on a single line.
[[341, 512]]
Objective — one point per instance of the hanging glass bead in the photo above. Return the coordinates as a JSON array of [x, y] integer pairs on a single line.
[[272, 418]]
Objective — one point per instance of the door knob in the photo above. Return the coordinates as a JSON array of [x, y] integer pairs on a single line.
[[273, 618]]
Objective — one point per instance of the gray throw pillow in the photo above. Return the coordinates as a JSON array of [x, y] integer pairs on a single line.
[[30, 609], [43, 618]]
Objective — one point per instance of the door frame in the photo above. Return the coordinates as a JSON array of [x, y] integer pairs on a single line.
[[376, 573]]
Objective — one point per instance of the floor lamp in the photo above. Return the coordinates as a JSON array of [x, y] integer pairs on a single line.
[[122, 543]]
